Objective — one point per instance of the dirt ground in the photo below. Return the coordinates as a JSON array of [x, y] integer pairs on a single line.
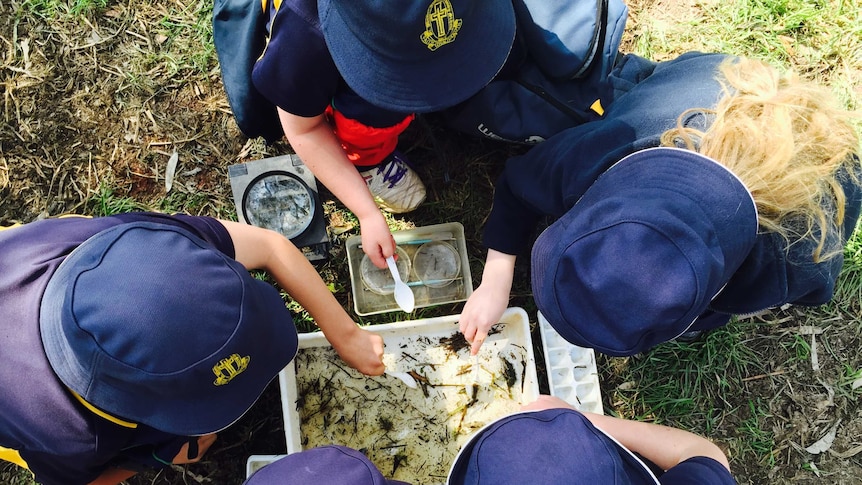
[[94, 107]]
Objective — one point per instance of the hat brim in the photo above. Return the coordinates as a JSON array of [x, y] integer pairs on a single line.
[[452, 75], [151, 401], [574, 427], [696, 189], [329, 465]]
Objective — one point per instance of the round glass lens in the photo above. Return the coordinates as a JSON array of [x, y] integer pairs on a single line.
[[280, 202]]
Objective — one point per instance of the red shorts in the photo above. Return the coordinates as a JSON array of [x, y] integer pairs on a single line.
[[365, 145]]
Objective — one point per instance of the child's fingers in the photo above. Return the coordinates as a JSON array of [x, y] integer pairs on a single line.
[[477, 342]]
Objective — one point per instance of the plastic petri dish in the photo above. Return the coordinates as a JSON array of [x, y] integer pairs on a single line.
[[437, 264], [380, 280]]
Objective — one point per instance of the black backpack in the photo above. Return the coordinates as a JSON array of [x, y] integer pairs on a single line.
[[572, 47], [239, 34]]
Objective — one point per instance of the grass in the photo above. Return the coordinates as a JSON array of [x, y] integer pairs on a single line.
[[851, 381], [849, 284], [754, 439], [13, 475], [820, 34], [187, 37], [750, 386], [680, 382], [798, 347], [107, 202], [52, 9]]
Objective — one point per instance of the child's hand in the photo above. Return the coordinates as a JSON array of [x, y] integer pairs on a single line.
[[487, 304], [377, 240], [482, 310], [362, 350], [545, 401]]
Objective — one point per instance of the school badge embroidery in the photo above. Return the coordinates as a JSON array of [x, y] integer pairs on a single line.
[[441, 26], [228, 368]]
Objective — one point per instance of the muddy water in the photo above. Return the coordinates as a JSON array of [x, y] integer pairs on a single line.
[[410, 434]]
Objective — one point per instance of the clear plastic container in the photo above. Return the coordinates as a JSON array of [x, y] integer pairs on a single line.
[[379, 280], [438, 273], [437, 264]]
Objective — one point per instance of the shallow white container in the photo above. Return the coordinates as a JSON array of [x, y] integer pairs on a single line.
[[513, 332], [256, 462]]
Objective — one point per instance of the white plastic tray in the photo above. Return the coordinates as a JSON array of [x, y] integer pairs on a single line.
[[572, 374], [256, 462], [512, 338]]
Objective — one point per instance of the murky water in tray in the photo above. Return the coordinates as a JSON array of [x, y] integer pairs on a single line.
[[410, 434]]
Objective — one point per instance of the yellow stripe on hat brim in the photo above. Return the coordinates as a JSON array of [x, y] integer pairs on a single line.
[[103, 414], [10, 455]]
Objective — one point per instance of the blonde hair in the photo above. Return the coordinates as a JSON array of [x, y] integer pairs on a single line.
[[789, 142]]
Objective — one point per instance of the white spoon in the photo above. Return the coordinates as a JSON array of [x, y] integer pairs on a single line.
[[403, 293], [408, 380]]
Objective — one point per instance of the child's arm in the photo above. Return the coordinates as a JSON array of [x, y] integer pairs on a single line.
[[662, 445], [113, 476], [315, 143], [258, 248], [487, 304]]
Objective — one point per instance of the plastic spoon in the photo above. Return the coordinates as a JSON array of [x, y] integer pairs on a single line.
[[408, 380], [403, 293]]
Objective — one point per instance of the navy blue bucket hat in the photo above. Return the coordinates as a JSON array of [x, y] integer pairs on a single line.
[[417, 55], [643, 252], [151, 324], [326, 465], [548, 447]]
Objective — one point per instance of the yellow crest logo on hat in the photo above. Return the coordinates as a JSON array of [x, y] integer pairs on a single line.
[[228, 368], [441, 26]]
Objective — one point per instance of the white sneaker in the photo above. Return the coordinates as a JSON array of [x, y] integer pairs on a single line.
[[395, 186]]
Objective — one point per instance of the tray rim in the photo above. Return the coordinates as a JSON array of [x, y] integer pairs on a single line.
[[258, 459], [287, 376]]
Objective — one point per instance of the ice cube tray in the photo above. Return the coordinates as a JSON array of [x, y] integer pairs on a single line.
[[572, 374]]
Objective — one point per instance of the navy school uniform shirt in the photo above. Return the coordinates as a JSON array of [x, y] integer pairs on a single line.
[[648, 99], [61, 441], [700, 470], [296, 71]]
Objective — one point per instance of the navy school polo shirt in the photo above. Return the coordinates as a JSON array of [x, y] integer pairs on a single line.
[[297, 73], [700, 470], [62, 442], [649, 98]]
